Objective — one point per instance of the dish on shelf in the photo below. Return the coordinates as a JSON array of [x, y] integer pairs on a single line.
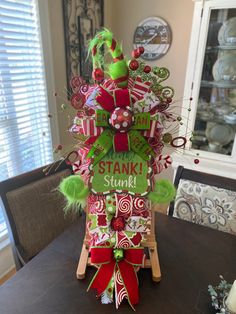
[[213, 31], [203, 105], [231, 40], [222, 134], [199, 132], [230, 118], [216, 149], [224, 68], [222, 108], [227, 32], [219, 84], [205, 115], [231, 47], [232, 97], [199, 139], [224, 53]]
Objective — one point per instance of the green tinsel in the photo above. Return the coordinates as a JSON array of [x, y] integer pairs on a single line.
[[164, 192], [75, 192]]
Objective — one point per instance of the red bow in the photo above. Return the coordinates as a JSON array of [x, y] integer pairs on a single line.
[[109, 101], [108, 266]]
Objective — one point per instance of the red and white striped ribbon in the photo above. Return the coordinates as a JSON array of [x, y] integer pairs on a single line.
[[130, 83], [90, 128], [154, 125], [138, 88], [109, 84], [81, 166]]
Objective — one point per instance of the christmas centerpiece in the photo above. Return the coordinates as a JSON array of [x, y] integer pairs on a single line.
[[121, 129]]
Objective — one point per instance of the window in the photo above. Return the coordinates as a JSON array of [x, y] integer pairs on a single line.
[[25, 138]]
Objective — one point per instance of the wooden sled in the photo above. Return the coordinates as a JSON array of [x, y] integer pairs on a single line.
[[149, 243]]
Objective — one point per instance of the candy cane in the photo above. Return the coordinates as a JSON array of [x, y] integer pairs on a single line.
[[163, 162], [118, 70]]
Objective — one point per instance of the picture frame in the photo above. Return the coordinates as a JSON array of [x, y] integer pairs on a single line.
[[85, 34], [73, 10]]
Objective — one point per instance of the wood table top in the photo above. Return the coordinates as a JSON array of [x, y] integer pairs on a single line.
[[191, 257]]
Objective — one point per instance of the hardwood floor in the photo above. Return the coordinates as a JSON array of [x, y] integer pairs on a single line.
[[7, 276]]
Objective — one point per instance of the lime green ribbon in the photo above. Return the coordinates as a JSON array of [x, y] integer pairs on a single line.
[[137, 142], [101, 146]]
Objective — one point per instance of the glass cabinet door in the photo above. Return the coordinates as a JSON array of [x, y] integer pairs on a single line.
[[215, 124]]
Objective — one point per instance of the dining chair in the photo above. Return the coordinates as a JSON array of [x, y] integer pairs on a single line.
[[33, 210], [205, 199]]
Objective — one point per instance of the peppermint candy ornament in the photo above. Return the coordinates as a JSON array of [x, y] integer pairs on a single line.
[[121, 119]]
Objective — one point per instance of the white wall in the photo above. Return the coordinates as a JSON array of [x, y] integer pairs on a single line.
[[52, 27], [123, 16]]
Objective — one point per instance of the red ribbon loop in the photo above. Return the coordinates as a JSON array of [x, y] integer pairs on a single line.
[[134, 256], [105, 100], [101, 255], [122, 98], [108, 102]]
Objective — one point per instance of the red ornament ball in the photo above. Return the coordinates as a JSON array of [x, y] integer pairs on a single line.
[[76, 82], [196, 161], [77, 101], [141, 50], [118, 223], [98, 74], [133, 65], [121, 119], [136, 54], [147, 69]]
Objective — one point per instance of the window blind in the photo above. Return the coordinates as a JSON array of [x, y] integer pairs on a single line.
[[25, 140]]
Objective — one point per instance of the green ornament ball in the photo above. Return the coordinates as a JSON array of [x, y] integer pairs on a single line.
[[167, 138], [118, 254]]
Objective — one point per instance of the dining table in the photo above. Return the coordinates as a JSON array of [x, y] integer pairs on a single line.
[[191, 257]]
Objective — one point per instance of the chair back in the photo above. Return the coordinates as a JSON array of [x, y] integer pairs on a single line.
[[34, 210], [205, 199]]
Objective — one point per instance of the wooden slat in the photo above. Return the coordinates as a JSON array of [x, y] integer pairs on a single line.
[[156, 271], [83, 261], [7, 276]]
